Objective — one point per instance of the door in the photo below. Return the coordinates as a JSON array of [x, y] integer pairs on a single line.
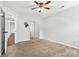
[[2, 32]]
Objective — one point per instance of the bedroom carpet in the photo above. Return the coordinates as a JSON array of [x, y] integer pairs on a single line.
[[41, 48]]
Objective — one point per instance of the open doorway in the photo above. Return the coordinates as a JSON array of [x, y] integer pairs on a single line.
[[7, 31], [34, 30], [10, 28], [11, 39]]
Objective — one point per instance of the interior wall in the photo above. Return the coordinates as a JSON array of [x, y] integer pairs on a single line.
[[63, 27], [42, 29], [22, 33]]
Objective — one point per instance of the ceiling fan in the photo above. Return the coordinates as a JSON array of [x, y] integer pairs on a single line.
[[41, 5]]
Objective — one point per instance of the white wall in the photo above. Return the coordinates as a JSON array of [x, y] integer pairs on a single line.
[[22, 33], [63, 27], [42, 29]]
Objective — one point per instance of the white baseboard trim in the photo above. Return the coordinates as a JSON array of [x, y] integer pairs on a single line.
[[63, 43]]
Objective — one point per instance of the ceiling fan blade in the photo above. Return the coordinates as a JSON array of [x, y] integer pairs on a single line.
[[35, 8], [47, 2], [36, 2], [46, 8]]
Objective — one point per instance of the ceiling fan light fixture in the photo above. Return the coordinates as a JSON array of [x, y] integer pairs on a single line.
[[41, 9], [41, 6]]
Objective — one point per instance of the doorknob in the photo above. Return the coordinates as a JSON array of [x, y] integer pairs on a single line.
[[5, 32]]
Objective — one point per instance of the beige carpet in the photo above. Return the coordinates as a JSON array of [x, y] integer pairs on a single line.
[[40, 48]]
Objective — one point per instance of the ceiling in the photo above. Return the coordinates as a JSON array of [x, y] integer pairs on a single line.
[[23, 8]]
